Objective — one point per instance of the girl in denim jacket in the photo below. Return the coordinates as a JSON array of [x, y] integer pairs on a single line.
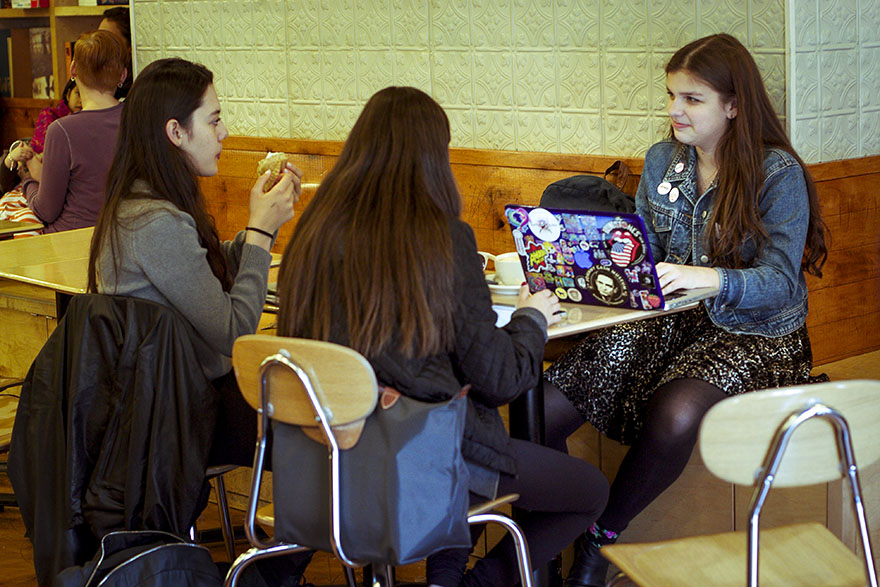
[[728, 204]]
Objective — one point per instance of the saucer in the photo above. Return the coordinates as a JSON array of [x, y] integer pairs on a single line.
[[500, 288]]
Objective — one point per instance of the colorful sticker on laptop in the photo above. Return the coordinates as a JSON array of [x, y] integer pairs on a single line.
[[606, 285], [625, 242], [544, 224]]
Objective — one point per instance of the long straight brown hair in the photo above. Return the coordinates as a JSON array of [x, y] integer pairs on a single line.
[[726, 65], [372, 251], [165, 89]]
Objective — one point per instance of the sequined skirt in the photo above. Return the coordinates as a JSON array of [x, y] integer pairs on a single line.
[[612, 373]]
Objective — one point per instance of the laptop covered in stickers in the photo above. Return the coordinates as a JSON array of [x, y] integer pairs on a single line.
[[595, 258]]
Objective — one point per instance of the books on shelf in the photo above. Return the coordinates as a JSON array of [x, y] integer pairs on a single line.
[[68, 58], [41, 63], [30, 3]]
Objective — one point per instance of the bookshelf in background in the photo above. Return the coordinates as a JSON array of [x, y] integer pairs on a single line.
[[66, 20]]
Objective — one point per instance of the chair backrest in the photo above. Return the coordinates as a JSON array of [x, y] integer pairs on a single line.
[[736, 433], [342, 379]]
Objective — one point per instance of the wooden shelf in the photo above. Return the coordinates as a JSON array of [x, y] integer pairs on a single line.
[[62, 11], [24, 12]]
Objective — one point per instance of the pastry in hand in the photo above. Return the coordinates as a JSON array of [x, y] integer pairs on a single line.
[[274, 163]]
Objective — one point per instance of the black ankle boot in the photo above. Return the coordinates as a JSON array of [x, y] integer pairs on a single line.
[[589, 568]]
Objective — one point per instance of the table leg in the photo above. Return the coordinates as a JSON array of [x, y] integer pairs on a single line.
[[527, 423]]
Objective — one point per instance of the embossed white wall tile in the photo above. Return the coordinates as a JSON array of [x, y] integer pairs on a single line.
[[453, 78], [240, 74], [840, 77], [658, 97], [725, 16], [536, 79], [869, 22], [461, 127], [274, 118], [493, 79], [870, 123], [626, 78], [494, 129], [807, 82], [412, 68], [838, 22], [177, 25], [374, 23], [772, 68], [148, 26], [534, 25], [579, 79], [305, 76], [805, 139], [181, 52], [577, 24], [537, 131], [410, 23], [375, 71], [672, 23], [337, 25], [491, 23], [628, 136], [767, 20], [237, 20], [302, 18], [307, 120], [580, 133], [805, 14], [869, 73], [241, 117], [207, 30], [340, 118], [450, 24], [271, 74], [340, 75], [660, 126], [215, 60], [270, 26], [624, 23], [147, 56], [839, 137]]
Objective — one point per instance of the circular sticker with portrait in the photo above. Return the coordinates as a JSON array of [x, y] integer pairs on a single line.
[[606, 285], [624, 242]]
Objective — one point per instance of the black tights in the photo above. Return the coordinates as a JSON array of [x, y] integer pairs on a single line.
[[561, 497], [657, 458]]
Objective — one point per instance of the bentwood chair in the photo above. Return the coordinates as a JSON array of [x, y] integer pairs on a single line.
[[325, 389], [783, 438]]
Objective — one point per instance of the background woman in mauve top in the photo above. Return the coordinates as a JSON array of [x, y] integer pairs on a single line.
[[66, 189]]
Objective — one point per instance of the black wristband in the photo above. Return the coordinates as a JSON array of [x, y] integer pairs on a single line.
[[261, 231]]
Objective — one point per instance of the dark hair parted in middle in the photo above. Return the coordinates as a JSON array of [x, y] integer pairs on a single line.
[[723, 63], [374, 241], [166, 89]]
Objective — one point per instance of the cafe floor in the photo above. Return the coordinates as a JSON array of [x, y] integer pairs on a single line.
[[16, 553]]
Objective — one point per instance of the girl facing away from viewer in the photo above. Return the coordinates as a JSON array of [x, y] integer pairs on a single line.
[[729, 204], [380, 261], [65, 188]]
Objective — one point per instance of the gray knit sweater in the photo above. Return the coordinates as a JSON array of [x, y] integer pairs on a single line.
[[160, 259]]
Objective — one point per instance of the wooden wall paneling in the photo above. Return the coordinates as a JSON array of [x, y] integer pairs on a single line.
[[19, 118], [841, 510]]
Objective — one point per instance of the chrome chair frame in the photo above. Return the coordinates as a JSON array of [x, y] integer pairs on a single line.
[[770, 466], [382, 575]]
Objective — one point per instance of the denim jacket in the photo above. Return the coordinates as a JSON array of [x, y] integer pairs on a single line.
[[770, 296]]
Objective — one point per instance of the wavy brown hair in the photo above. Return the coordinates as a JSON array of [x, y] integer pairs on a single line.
[[372, 249], [726, 65], [166, 89]]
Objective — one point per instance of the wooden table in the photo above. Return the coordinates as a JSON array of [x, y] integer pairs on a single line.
[[8, 228]]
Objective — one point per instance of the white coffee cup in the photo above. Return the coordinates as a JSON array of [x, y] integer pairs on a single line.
[[508, 270]]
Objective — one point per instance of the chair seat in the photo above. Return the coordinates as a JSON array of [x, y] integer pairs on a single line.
[[266, 517], [8, 405], [799, 554]]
